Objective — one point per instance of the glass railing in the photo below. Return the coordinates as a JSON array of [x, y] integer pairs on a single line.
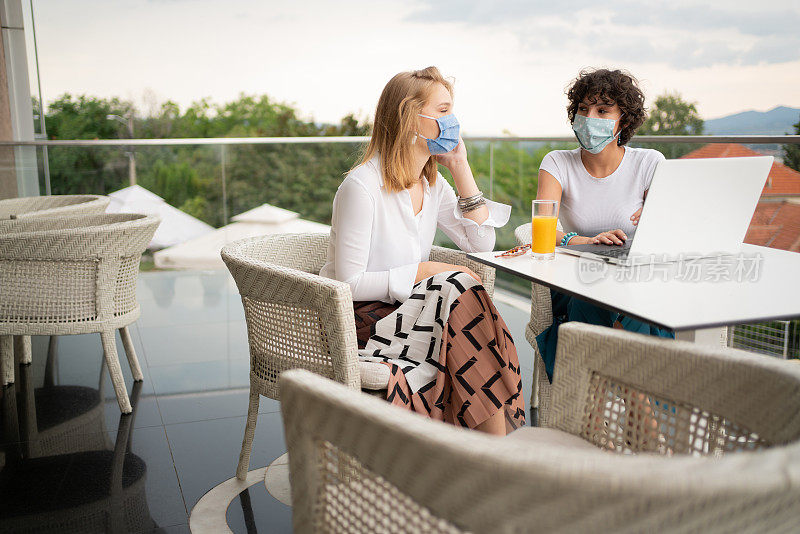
[[216, 179]]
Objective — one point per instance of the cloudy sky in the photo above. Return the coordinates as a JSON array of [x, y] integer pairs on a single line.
[[511, 60]]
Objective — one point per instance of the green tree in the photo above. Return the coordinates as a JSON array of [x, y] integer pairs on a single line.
[[301, 178], [86, 170], [671, 115], [791, 153]]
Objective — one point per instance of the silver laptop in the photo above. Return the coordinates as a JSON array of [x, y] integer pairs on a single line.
[[695, 208]]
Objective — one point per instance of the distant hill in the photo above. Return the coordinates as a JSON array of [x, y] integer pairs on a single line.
[[777, 121]]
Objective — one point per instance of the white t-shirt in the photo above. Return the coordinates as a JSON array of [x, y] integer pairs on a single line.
[[377, 242], [592, 205]]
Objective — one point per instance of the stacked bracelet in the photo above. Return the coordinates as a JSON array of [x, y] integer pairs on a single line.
[[567, 237], [474, 206], [471, 203]]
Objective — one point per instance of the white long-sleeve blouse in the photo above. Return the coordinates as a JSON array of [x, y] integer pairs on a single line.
[[377, 242]]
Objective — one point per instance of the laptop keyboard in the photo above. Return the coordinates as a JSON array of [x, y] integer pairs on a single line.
[[607, 251], [617, 253]]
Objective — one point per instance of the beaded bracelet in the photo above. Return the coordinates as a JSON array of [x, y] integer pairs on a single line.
[[567, 237], [516, 251]]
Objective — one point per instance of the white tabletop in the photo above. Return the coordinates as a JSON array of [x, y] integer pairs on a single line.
[[758, 285]]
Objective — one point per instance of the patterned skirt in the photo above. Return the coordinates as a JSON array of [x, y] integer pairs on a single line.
[[450, 353]]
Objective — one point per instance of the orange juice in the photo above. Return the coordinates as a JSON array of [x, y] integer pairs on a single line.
[[544, 235]]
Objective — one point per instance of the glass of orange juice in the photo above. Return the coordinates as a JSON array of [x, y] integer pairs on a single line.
[[543, 228]]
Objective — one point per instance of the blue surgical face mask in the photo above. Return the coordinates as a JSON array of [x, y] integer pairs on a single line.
[[449, 130], [593, 133]]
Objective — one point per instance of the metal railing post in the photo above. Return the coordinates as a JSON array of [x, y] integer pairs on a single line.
[[491, 170], [222, 154], [786, 325]]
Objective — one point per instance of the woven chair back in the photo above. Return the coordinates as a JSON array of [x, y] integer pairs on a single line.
[[636, 393], [52, 206], [358, 464], [63, 272]]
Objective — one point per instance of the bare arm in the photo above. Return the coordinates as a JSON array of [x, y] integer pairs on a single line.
[[638, 213], [456, 162]]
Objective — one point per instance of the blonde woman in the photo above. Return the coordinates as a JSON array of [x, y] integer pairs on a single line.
[[449, 351]]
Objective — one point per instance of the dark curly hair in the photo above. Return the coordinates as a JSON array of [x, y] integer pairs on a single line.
[[615, 86]]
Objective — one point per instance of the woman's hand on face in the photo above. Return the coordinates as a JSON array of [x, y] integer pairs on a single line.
[[635, 216], [454, 158], [613, 237], [427, 269]]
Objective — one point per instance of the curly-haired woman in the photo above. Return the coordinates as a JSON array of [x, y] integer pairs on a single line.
[[449, 352], [601, 186]]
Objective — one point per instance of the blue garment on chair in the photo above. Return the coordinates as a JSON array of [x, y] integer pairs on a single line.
[[566, 308]]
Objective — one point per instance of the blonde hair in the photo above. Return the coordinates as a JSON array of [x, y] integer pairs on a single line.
[[395, 127]]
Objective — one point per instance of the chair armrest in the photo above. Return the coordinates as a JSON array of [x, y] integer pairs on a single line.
[[77, 237], [458, 257], [523, 234], [295, 320]]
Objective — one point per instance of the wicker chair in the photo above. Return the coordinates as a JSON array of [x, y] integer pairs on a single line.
[[298, 319], [359, 465], [72, 275], [49, 206], [52, 206]]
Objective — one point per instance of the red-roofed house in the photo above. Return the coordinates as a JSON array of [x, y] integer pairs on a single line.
[[776, 221], [783, 181], [776, 225]]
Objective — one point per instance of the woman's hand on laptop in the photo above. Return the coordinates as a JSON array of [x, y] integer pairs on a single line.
[[581, 240], [613, 237]]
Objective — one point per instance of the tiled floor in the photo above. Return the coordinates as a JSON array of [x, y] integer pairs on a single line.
[[63, 438]]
